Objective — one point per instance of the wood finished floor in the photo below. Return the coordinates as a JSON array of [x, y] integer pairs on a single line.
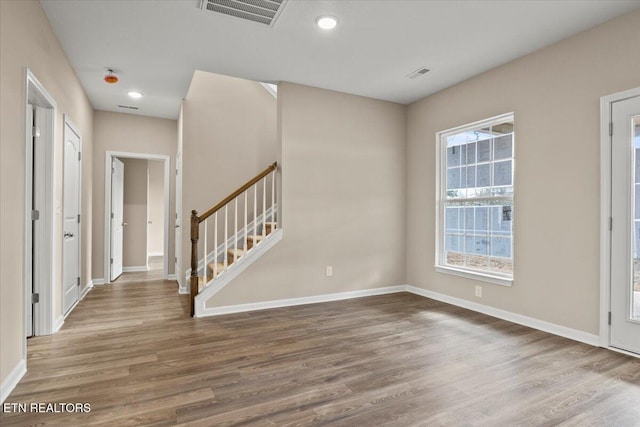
[[132, 352]]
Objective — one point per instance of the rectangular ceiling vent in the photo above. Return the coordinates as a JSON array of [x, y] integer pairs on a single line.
[[419, 72], [262, 11], [127, 107]]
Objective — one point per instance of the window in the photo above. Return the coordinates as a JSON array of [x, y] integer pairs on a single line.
[[475, 200]]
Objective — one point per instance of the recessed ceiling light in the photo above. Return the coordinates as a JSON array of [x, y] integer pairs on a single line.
[[326, 22], [135, 94]]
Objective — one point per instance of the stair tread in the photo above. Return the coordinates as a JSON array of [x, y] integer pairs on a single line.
[[258, 237], [221, 268], [237, 251]]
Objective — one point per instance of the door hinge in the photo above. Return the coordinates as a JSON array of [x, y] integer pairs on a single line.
[[610, 223], [175, 259], [35, 215], [78, 282], [79, 155], [610, 128], [176, 171], [78, 218], [609, 317], [35, 132], [35, 298], [112, 215], [111, 260]]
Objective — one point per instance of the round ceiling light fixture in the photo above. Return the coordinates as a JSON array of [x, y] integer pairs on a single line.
[[111, 78], [327, 22], [134, 94]]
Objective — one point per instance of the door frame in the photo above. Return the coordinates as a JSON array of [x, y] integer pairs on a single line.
[[82, 291], [109, 155], [42, 260], [605, 212]]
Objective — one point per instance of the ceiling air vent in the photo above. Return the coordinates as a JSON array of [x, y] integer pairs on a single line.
[[419, 72], [128, 107], [262, 11]]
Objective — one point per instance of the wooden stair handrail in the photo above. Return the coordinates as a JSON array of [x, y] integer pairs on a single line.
[[195, 230], [236, 193]]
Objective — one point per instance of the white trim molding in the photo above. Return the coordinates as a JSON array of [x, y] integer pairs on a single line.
[[155, 254], [520, 319], [12, 380], [240, 308], [509, 316], [135, 269], [97, 281]]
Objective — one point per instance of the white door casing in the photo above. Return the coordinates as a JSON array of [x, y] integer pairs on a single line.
[[178, 225], [625, 328], [117, 220], [71, 217]]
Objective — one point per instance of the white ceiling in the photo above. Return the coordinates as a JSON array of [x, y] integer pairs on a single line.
[[157, 45]]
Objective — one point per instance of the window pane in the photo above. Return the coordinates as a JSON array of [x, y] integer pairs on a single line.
[[483, 177], [484, 151], [471, 153], [502, 147], [502, 173]]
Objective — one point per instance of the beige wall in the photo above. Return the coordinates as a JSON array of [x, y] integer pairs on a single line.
[[343, 183], [132, 134], [555, 95], [134, 239], [27, 40], [155, 207], [229, 135]]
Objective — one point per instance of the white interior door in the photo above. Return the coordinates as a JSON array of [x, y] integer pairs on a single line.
[[71, 219], [117, 214], [625, 235]]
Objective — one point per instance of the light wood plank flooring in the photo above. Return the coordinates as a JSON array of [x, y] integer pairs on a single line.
[[132, 352]]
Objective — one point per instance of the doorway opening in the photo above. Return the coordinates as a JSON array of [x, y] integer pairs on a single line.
[[136, 217], [39, 222]]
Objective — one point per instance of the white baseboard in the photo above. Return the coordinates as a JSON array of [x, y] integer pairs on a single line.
[[541, 325], [216, 311], [12, 380], [155, 254], [60, 320], [135, 269], [172, 277], [99, 281], [86, 290]]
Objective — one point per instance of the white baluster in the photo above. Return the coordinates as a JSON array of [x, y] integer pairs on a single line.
[[226, 224], [246, 230], [206, 222], [215, 245], [264, 206], [255, 213], [235, 234], [273, 197]]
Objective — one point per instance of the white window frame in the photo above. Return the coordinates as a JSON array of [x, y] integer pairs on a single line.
[[441, 179]]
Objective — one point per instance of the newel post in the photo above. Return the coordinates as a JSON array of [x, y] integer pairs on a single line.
[[193, 282]]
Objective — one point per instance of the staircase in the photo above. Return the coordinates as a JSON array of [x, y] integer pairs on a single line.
[[216, 268], [239, 230]]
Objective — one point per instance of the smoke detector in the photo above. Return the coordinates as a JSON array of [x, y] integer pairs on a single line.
[[262, 11]]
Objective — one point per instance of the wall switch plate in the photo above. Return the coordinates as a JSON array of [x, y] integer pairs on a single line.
[[329, 270], [479, 291]]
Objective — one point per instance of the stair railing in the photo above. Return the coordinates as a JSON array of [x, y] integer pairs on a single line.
[[222, 208]]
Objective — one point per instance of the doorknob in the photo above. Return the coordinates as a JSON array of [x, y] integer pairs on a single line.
[[124, 224], [177, 226], [67, 234]]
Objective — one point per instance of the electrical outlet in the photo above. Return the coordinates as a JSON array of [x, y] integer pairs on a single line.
[[479, 291], [329, 270]]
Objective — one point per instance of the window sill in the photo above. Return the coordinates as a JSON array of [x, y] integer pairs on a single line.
[[497, 280]]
